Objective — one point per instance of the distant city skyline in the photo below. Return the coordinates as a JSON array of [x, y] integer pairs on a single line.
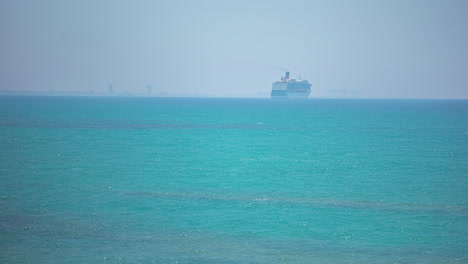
[[345, 49]]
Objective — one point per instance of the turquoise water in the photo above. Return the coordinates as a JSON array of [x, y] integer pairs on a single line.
[[166, 180]]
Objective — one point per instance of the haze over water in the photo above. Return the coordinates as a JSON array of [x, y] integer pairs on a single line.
[[359, 48], [165, 180]]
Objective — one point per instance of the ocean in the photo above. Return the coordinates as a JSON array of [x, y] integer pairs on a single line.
[[213, 180]]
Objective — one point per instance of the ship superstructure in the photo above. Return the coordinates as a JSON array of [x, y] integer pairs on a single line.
[[290, 88]]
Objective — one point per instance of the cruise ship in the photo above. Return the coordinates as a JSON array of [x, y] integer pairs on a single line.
[[290, 88]]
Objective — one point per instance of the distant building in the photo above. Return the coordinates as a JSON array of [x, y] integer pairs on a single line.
[[149, 90], [111, 89]]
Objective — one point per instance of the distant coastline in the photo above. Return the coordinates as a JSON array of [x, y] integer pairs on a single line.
[[107, 94], [93, 93]]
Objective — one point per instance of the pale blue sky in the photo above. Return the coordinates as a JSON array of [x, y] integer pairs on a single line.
[[395, 49]]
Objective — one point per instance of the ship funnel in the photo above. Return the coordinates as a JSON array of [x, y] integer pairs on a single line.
[[287, 76]]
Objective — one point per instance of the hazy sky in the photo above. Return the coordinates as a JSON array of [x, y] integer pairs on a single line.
[[407, 48]]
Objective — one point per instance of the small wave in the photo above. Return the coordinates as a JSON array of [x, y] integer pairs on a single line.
[[356, 205]]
